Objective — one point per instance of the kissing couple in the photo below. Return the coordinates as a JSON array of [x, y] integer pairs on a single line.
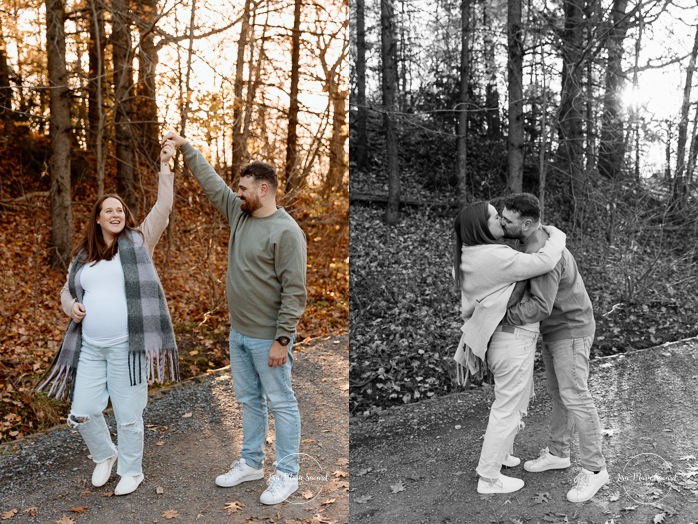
[[510, 295]]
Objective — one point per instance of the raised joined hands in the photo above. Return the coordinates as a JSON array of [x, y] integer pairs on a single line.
[[167, 151], [177, 140]]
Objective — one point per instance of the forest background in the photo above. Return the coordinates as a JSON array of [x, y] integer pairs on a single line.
[[88, 88], [589, 104]]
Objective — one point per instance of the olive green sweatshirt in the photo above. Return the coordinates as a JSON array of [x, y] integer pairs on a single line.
[[266, 260], [559, 301]]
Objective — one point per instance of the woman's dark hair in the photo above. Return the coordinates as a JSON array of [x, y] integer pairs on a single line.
[[93, 244], [471, 229]]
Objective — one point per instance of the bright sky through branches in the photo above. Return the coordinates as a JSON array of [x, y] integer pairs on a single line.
[[209, 121]]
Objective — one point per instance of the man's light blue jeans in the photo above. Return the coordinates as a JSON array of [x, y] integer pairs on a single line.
[[255, 383], [567, 372], [103, 374], [510, 357]]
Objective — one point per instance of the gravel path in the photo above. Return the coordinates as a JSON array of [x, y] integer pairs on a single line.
[[416, 463], [193, 433]]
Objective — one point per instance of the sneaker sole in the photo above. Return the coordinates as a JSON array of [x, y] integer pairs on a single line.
[[256, 476], [497, 492]]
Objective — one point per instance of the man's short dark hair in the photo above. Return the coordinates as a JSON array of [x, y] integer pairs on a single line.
[[261, 172], [525, 204]]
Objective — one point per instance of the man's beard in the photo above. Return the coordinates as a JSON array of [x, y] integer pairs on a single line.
[[250, 205], [511, 235]]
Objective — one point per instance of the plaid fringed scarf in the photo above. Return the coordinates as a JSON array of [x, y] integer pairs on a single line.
[[150, 332]]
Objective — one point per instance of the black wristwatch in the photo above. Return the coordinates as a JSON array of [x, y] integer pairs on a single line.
[[284, 341]]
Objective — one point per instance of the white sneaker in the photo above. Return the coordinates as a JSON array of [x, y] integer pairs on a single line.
[[281, 486], [546, 461], [128, 484], [503, 484], [510, 461], [587, 484], [239, 472], [102, 471]]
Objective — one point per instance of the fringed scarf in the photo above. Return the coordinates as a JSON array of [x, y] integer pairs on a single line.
[[150, 332]]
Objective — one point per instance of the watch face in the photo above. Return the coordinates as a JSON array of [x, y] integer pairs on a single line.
[[283, 341]]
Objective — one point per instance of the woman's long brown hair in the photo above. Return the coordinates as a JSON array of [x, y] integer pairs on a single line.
[[93, 244], [471, 229]]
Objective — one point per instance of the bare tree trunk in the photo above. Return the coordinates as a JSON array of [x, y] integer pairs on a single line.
[[338, 95], [361, 109], [123, 94], [6, 114], [95, 53], [515, 141], [254, 80], [291, 168], [340, 133], [59, 163], [146, 94], [389, 82], [402, 58], [612, 146], [680, 190], [542, 173], [594, 20], [79, 108], [590, 156], [22, 95], [693, 151], [570, 119], [239, 147], [667, 151], [635, 110], [494, 123], [185, 101], [95, 92], [463, 100]]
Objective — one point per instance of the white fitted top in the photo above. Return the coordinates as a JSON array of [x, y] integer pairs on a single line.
[[106, 313]]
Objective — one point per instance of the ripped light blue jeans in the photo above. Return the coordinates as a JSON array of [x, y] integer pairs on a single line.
[[510, 357], [103, 374]]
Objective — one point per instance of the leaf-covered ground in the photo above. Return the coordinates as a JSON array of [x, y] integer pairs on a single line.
[[403, 309], [191, 260], [404, 324]]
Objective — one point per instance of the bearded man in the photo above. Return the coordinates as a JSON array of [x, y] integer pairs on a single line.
[[266, 298]]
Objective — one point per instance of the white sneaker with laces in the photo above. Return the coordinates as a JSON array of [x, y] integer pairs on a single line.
[[587, 483], [546, 461], [128, 484], [102, 471], [510, 461], [239, 472], [503, 484], [281, 486]]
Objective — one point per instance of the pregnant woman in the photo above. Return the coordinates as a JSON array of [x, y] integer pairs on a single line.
[[120, 335]]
